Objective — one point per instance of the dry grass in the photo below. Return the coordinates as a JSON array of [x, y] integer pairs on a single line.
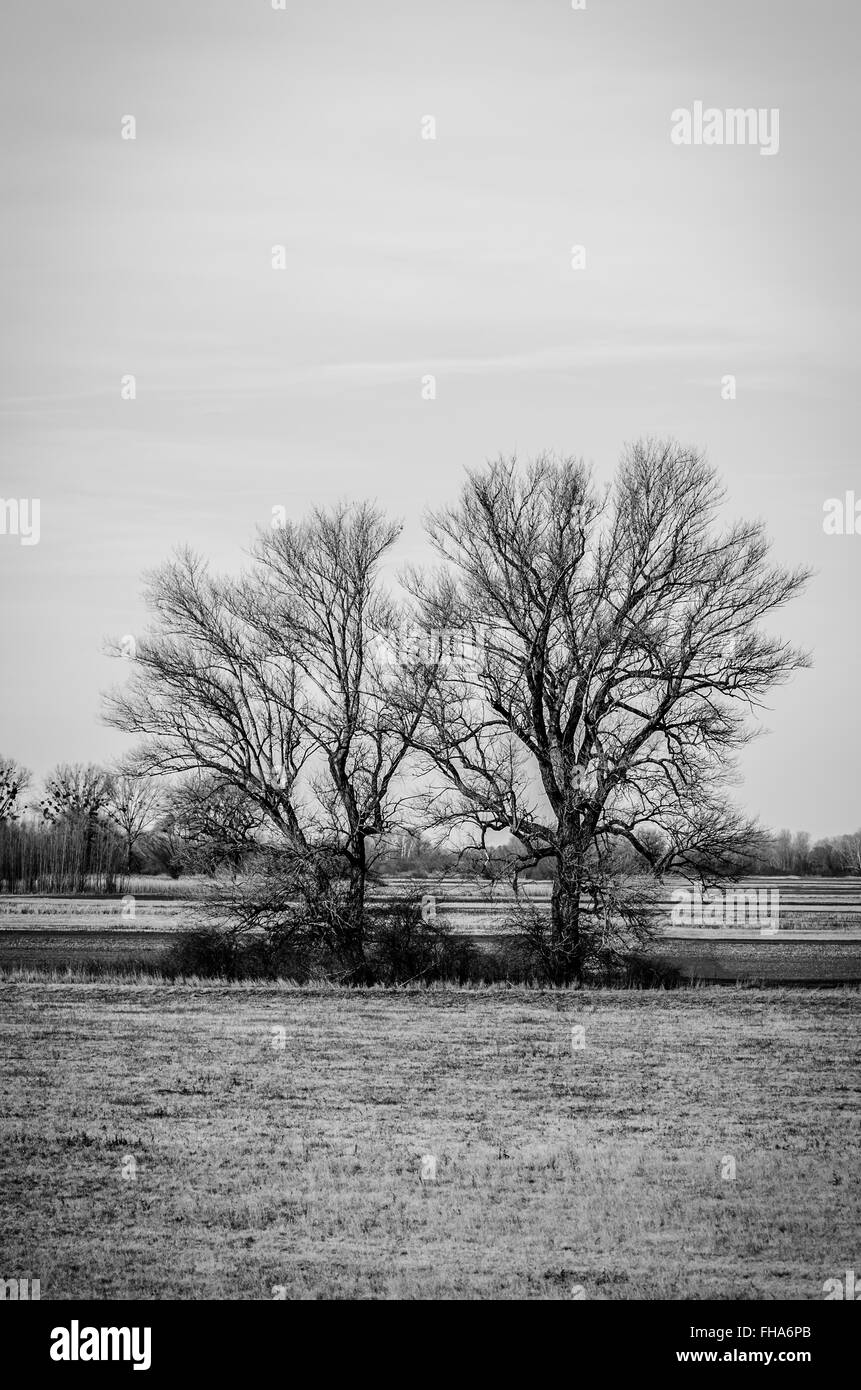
[[300, 1167]]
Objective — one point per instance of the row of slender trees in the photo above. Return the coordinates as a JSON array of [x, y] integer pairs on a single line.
[[90, 824], [591, 659]]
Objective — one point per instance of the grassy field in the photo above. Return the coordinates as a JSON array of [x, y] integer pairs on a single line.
[[156, 1143]]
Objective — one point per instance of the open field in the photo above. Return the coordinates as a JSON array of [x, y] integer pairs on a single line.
[[819, 936], [299, 1167]]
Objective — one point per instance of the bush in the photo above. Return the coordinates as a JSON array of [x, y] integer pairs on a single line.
[[267, 935], [205, 951], [402, 947], [219, 953]]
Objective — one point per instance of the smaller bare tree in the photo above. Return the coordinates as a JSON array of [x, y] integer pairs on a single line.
[[134, 805], [76, 790], [274, 684], [14, 781], [848, 849]]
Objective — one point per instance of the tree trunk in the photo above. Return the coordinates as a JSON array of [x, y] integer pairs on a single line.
[[566, 937], [354, 928]]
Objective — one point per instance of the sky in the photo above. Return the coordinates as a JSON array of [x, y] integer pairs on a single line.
[[405, 257]]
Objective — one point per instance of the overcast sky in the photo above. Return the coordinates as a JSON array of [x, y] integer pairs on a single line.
[[406, 256]]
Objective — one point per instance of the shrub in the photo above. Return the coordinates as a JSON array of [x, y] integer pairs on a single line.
[[402, 947]]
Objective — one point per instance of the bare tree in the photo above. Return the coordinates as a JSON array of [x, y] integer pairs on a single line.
[[782, 850], [79, 794], [275, 683], [848, 850], [134, 803], [321, 587], [623, 655], [14, 781], [801, 852], [76, 790]]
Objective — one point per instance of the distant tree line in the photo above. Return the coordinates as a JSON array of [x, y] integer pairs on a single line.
[[780, 852], [90, 826]]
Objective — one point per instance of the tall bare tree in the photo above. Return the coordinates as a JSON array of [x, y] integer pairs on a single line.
[[275, 683], [79, 794], [623, 654], [321, 587]]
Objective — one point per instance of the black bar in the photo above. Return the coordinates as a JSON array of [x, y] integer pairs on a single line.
[[613, 1337]]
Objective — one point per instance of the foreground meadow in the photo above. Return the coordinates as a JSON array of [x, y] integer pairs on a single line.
[[208, 1141]]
